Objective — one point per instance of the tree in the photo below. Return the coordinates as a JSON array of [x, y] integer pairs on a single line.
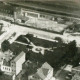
[[5, 45], [71, 49], [58, 39], [60, 42]]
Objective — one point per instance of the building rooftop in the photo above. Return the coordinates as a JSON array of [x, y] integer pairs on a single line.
[[19, 56], [76, 68], [63, 75], [43, 71]]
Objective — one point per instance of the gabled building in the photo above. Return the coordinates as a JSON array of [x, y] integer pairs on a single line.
[[16, 63], [43, 73], [11, 64]]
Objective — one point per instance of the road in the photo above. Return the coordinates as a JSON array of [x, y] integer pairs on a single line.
[[43, 34]]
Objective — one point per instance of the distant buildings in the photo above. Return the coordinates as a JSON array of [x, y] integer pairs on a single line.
[[6, 11]]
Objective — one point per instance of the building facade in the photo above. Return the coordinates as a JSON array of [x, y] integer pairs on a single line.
[[16, 63], [11, 65]]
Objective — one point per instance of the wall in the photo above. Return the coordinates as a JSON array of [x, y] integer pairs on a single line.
[[6, 69], [28, 13], [13, 66], [19, 64], [1, 62]]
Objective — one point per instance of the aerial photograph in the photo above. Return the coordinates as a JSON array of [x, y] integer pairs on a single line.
[[39, 39]]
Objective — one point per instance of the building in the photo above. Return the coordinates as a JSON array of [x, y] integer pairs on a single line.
[[76, 76], [43, 73], [48, 7], [76, 69], [5, 61], [16, 63], [68, 68], [63, 75], [11, 64]]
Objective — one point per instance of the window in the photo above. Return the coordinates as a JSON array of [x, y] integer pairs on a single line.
[[2, 58], [12, 65], [9, 69], [42, 16]]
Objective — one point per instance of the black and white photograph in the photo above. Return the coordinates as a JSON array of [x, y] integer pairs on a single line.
[[39, 39]]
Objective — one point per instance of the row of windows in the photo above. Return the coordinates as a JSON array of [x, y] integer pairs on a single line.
[[46, 16], [6, 68], [35, 77], [8, 11]]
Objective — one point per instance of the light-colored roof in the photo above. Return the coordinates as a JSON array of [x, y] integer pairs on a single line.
[[19, 56], [53, 78], [46, 66], [43, 71], [68, 68]]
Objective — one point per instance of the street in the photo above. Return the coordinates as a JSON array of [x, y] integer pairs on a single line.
[[20, 30]]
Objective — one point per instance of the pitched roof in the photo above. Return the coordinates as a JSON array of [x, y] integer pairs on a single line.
[[19, 56], [43, 71], [46, 66]]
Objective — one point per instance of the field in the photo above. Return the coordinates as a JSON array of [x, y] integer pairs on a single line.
[[47, 25]]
